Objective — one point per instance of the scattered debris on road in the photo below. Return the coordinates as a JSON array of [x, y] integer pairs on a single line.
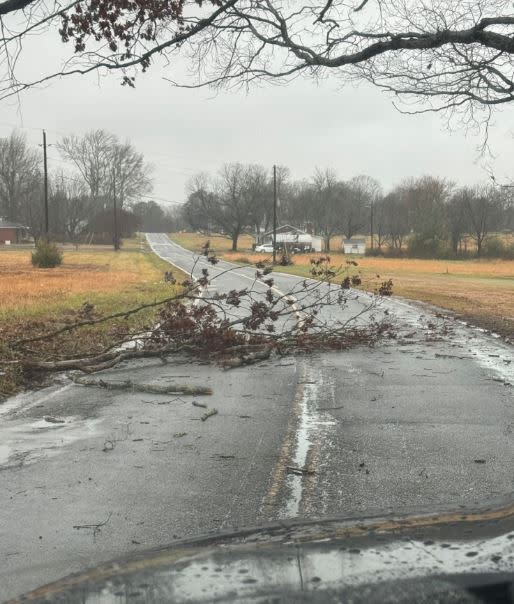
[[197, 404], [247, 359], [54, 420], [299, 471], [108, 445], [208, 414], [94, 526]]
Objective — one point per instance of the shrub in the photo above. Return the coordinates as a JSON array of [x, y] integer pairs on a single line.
[[47, 255], [394, 252], [496, 248], [427, 247], [374, 252], [285, 260]]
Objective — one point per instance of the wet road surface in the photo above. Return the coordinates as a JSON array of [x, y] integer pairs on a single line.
[[420, 423]]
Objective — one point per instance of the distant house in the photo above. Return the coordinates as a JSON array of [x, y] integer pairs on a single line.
[[355, 245], [293, 238], [12, 232]]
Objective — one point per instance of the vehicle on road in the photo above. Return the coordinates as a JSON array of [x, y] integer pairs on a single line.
[[264, 249]]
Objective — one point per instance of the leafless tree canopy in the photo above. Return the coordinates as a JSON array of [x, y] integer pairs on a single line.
[[423, 217], [104, 163], [442, 53], [104, 166]]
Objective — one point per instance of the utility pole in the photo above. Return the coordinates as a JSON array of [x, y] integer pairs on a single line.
[[274, 214], [371, 221], [115, 214], [45, 185]]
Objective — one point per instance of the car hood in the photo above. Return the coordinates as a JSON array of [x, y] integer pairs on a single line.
[[376, 559]]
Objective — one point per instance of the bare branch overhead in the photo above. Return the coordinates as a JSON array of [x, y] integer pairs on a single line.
[[442, 54]]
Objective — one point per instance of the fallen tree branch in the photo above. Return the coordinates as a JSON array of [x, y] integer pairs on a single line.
[[104, 360], [234, 328], [151, 388], [88, 322], [247, 359]]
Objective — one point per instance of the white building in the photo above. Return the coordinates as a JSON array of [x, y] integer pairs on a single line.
[[294, 239], [355, 245]]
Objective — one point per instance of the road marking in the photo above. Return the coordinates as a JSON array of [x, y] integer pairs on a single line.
[[201, 289], [172, 244]]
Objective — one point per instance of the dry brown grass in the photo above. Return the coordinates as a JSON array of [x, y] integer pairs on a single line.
[[25, 289], [482, 291], [219, 243], [39, 301]]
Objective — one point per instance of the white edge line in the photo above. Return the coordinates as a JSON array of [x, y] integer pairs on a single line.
[[236, 266]]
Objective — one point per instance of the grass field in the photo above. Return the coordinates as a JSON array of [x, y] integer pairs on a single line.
[[220, 243], [481, 291], [103, 278], [40, 300]]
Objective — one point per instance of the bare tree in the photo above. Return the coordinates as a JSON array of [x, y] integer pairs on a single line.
[[197, 210], [381, 233], [153, 218], [30, 204], [427, 197], [442, 53], [362, 194], [70, 206], [327, 198], [19, 176], [483, 209], [130, 174], [296, 204], [396, 217], [228, 203], [457, 217], [234, 200], [103, 162], [91, 154], [259, 189]]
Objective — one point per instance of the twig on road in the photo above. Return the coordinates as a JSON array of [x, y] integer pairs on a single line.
[[208, 414], [299, 471], [95, 526]]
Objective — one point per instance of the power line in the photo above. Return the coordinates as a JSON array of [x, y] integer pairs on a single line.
[[173, 157], [162, 199]]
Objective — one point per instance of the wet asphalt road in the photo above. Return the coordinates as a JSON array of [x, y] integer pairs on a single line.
[[420, 423]]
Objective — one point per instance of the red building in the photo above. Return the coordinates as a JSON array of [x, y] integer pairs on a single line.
[[12, 232]]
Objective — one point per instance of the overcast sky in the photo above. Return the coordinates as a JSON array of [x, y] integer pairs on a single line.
[[302, 125]]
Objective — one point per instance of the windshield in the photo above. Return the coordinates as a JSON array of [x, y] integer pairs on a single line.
[[256, 264]]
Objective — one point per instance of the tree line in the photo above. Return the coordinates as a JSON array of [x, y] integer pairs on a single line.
[[426, 216], [80, 199]]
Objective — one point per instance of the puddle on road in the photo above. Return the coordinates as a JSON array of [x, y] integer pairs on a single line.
[[5, 452], [313, 425], [29, 399], [24, 443], [486, 349]]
